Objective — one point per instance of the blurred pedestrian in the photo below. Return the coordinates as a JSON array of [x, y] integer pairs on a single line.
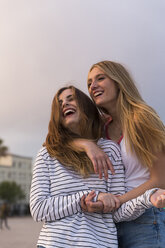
[[4, 213]]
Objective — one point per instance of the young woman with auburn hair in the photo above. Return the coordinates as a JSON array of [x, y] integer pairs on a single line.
[[62, 176], [141, 135]]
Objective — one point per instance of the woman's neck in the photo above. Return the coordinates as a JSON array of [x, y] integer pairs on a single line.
[[114, 130], [115, 116]]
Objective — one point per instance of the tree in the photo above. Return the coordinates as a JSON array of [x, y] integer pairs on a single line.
[[3, 149], [11, 192]]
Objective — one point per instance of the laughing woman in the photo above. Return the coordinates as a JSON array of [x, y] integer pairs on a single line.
[[61, 176], [137, 128]]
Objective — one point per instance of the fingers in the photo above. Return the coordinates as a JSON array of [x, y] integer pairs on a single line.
[[100, 160], [158, 198], [90, 196], [85, 200], [94, 207], [105, 169], [110, 166], [88, 205], [161, 201], [106, 203], [118, 203], [102, 166], [94, 162], [110, 202], [82, 203], [109, 205]]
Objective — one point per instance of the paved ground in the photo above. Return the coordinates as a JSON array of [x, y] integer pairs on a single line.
[[23, 233]]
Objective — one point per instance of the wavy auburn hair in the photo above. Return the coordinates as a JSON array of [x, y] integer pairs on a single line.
[[143, 130], [58, 140]]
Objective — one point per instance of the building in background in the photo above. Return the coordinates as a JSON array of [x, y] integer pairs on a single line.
[[18, 169]]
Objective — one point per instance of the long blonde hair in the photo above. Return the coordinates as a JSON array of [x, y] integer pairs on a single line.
[[143, 130], [58, 140]]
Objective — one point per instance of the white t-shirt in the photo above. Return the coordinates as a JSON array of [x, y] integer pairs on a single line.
[[135, 173]]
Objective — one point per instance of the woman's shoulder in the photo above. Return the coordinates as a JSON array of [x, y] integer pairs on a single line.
[[44, 154], [104, 141], [109, 146], [43, 151], [44, 159]]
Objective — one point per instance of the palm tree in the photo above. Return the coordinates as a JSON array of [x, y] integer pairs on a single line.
[[3, 149]]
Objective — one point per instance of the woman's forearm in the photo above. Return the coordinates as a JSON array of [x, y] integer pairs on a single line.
[[149, 184], [157, 179]]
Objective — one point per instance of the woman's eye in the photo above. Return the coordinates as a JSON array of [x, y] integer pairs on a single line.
[[60, 103], [89, 85], [70, 100], [100, 78]]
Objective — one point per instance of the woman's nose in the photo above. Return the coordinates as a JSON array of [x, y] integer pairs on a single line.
[[64, 104], [93, 85]]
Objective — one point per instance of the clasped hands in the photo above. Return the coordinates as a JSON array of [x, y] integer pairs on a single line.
[[107, 202]]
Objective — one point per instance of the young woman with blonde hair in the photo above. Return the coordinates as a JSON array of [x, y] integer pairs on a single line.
[[141, 135], [62, 175]]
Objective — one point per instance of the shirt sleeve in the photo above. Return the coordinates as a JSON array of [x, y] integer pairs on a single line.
[[45, 207], [134, 208]]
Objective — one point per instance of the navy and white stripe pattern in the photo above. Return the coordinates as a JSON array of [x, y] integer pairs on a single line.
[[55, 199]]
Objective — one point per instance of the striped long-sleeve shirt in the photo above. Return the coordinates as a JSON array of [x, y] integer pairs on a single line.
[[55, 199]]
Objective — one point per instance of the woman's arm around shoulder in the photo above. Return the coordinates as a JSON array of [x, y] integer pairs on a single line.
[[98, 157]]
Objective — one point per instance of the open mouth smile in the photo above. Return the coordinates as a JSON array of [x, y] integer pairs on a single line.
[[68, 112], [98, 93]]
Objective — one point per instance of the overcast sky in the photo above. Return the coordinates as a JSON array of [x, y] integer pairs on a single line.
[[45, 44]]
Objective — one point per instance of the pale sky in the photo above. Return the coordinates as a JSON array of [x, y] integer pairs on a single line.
[[45, 44]]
